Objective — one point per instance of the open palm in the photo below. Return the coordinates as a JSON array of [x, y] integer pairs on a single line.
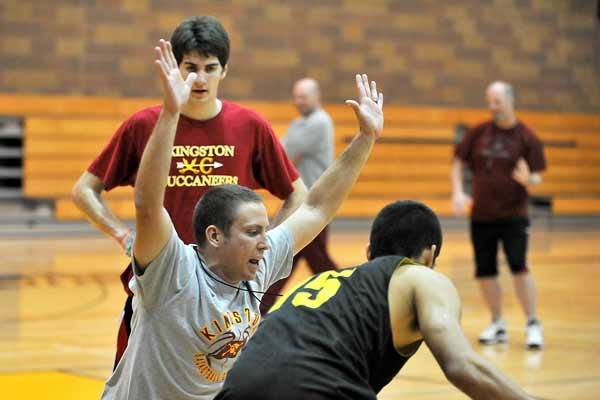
[[176, 91], [369, 107]]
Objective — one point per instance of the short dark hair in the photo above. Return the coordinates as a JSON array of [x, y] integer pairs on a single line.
[[406, 228], [219, 207], [203, 34]]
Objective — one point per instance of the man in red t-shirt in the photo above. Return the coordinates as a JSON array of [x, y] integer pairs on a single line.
[[217, 142], [505, 157]]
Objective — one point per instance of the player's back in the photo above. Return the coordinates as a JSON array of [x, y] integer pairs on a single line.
[[328, 338]]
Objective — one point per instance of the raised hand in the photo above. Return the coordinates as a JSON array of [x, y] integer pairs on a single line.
[[369, 107], [176, 91]]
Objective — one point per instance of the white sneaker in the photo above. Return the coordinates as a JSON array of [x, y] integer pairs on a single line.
[[494, 333], [534, 335]]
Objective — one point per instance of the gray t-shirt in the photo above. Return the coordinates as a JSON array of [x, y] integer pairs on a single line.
[[309, 144], [188, 328]]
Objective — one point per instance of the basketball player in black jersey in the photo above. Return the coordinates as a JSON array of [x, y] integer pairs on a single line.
[[345, 334]]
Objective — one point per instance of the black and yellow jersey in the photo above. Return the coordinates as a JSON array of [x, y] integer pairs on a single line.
[[328, 338]]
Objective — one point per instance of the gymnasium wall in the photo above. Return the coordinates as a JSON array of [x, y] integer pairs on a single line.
[[422, 52]]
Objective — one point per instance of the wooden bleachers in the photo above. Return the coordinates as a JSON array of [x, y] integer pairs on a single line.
[[63, 134]]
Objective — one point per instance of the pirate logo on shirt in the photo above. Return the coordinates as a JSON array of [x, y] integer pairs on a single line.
[[226, 348], [204, 166], [225, 339], [197, 165]]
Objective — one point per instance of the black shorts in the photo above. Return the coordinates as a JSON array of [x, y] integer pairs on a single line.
[[514, 234]]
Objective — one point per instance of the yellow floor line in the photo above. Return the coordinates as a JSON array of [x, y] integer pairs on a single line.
[[49, 386]]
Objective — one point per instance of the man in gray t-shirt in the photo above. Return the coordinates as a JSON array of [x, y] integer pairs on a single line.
[[183, 310], [196, 306], [308, 142]]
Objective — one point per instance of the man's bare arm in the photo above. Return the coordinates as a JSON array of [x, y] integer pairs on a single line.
[[87, 196], [438, 311], [460, 199], [153, 223], [292, 202]]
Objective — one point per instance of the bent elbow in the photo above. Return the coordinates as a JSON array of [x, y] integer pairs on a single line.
[[77, 193], [454, 373]]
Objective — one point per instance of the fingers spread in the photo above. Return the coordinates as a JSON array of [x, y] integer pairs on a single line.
[[365, 83], [352, 104], [162, 66], [163, 54], [374, 91], [166, 54], [368, 90], [355, 107], [362, 92], [171, 55]]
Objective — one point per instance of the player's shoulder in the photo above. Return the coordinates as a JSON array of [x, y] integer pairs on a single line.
[[525, 130], [417, 276], [320, 118], [480, 127], [147, 113], [326, 115], [413, 270], [144, 117], [281, 233], [248, 115], [474, 132]]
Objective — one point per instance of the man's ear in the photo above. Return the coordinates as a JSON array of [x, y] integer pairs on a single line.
[[224, 72], [214, 236], [368, 251], [429, 256]]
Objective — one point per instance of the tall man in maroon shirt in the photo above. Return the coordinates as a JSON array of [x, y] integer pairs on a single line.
[[506, 158], [216, 142]]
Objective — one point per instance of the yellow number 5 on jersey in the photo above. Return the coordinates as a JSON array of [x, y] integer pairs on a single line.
[[326, 286]]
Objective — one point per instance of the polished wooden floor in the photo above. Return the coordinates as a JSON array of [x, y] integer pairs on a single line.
[[60, 299]]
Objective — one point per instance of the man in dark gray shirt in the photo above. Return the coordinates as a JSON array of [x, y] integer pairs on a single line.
[[308, 142], [309, 138]]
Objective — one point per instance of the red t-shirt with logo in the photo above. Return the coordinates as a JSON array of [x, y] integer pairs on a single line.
[[492, 153], [236, 146]]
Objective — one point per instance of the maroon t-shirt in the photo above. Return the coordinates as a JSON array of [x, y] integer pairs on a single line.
[[237, 146], [492, 153]]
